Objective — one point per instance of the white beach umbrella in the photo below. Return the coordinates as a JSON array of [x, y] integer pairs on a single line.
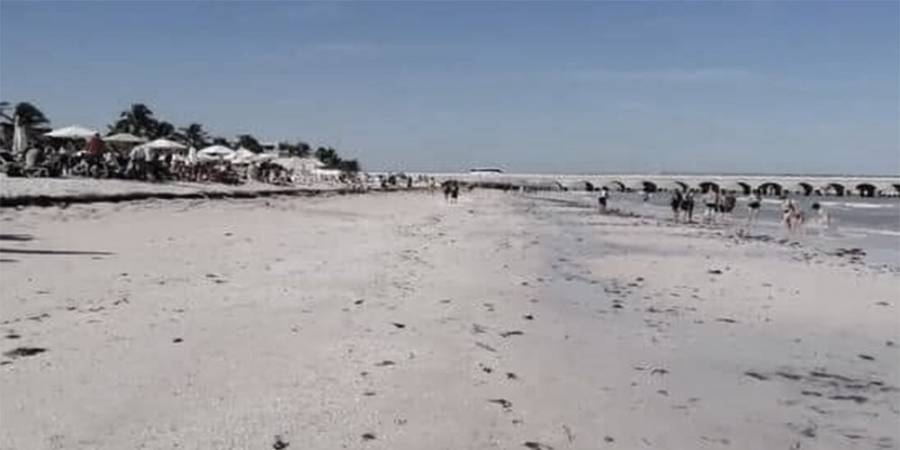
[[164, 144], [71, 132], [20, 138], [241, 156], [215, 151], [125, 138]]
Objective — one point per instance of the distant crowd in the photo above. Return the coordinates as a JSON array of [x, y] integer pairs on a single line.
[[95, 159]]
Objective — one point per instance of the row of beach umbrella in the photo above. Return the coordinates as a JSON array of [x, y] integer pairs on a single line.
[[210, 153]]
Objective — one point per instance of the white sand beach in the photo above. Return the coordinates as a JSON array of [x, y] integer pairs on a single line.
[[398, 321]]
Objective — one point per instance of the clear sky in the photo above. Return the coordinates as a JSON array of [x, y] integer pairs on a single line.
[[551, 87]]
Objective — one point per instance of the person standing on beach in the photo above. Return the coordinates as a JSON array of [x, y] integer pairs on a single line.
[[675, 203], [753, 204], [823, 219], [687, 205], [454, 192], [789, 212], [602, 199], [93, 151], [711, 201]]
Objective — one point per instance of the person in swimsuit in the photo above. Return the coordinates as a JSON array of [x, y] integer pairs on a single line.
[[687, 205], [788, 212], [675, 203], [711, 201], [753, 204], [603, 198]]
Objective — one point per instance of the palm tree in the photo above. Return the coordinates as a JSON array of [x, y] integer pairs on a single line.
[[162, 129], [218, 140], [195, 135], [139, 121], [250, 143], [328, 156], [349, 165], [30, 117], [303, 150]]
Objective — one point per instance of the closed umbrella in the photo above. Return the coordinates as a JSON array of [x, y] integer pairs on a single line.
[[20, 138], [71, 132], [192, 156]]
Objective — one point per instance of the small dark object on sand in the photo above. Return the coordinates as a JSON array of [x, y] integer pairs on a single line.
[[12, 336], [528, 317], [359, 302], [537, 446], [511, 376], [486, 347], [714, 272], [177, 340], [882, 303], [368, 436], [756, 375], [511, 333], [726, 320], [617, 305], [398, 325], [506, 404], [789, 376], [385, 363], [24, 351], [608, 439], [659, 371], [486, 369], [280, 444], [866, 357], [859, 399]]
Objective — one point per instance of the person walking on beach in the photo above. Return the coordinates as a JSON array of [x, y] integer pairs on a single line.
[[822, 218], [711, 201], [454, 192], [603, 198], [687, 205], [791, 215], [675, 203], [753, 204], [726, 203]]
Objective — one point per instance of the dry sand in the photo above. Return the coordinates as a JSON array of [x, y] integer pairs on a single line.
[[401, 322]]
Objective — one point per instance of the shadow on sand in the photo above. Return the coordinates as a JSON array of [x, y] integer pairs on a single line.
[[23, 251], [16, 237]]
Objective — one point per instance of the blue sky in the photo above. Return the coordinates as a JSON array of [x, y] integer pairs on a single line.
[[558, 87]]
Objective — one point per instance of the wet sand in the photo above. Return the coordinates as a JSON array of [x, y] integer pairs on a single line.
[[401, 322]]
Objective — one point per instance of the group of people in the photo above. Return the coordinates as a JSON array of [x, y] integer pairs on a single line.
[[95, 159], [717, 203], [451, 191], [793, 217]]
